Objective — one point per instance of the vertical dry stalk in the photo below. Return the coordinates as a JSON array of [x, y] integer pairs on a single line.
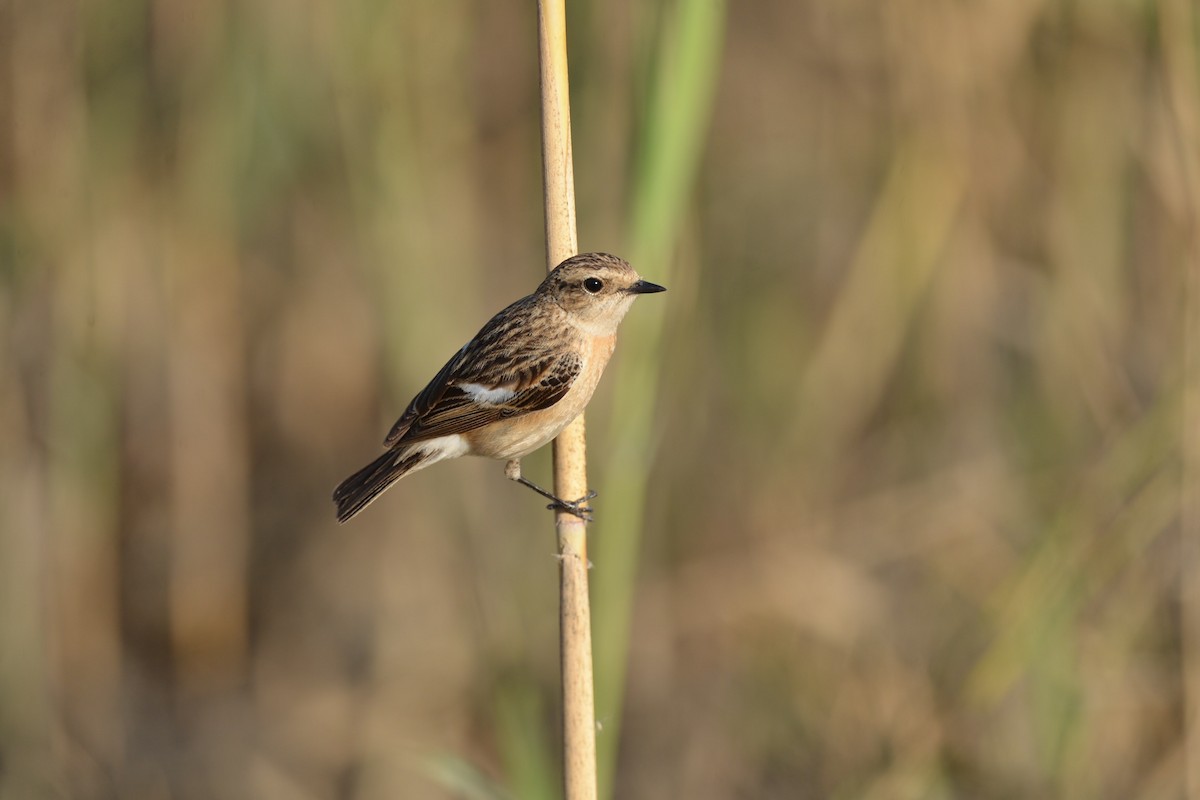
[[209, 472], [570, 467], [1181, 60]]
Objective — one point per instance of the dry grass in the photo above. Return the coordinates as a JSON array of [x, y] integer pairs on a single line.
[[912, 500]]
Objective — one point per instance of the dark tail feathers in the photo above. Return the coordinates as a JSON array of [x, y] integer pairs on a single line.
[[360, 489]]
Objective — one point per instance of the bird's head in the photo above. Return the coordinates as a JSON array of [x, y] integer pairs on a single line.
[[596, 289]]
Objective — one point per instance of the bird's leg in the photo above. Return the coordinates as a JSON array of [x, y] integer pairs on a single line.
[[512, 471]]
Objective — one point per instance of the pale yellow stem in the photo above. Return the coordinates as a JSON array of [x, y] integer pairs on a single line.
[[570, 460]]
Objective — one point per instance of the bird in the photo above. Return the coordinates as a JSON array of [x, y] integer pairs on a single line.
[[512, 388]]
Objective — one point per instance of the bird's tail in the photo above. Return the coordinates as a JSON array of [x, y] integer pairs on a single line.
[[360, 489]]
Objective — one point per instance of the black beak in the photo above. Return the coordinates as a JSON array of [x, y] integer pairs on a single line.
[[646, 287]]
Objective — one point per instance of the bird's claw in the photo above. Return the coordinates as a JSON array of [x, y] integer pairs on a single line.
[[576, 507]]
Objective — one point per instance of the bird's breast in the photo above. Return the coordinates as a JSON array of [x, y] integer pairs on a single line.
[[520, 436]]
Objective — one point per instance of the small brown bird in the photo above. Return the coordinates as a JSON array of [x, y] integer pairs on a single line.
[[516, 385]]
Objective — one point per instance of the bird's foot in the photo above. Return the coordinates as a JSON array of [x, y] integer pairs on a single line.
[[576, 507]]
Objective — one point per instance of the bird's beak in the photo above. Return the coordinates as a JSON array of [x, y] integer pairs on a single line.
[[646, 287]]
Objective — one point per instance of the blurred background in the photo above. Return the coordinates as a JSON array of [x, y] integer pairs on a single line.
[[893, 496]]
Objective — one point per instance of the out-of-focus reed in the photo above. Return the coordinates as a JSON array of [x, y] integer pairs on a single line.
[[903, 441], [682, 65]]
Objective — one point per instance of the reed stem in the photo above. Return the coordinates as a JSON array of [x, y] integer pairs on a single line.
[[570, 460]]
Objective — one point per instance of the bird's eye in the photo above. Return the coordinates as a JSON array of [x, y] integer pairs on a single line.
[[593, 285]]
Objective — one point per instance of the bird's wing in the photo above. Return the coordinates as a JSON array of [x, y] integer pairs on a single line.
[[502, 373], [426, 400]]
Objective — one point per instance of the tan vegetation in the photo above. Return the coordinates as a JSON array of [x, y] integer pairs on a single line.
[[892, 490]]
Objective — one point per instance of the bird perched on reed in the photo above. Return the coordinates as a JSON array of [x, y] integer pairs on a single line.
[[527, 373]]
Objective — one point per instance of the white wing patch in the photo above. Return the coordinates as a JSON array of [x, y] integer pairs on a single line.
[[487, 395], [443, 447]]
